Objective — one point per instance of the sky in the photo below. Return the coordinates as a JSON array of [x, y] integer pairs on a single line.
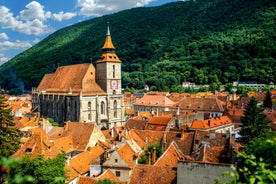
[[23, 23]]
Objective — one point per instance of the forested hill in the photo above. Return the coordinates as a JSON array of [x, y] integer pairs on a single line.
[[202, 41]]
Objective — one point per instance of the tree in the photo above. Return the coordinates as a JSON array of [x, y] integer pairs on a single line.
[[37, 170], [268, 101], [254, 122], [9, 135], [157, 146]]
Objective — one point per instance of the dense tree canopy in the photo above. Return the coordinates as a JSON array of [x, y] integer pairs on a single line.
[[206, 42], [254, 122]]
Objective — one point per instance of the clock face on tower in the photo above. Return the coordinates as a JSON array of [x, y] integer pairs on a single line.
[[114, 84]]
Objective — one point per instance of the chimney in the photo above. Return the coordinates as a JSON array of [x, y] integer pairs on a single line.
[[112, 132], [134, 160], [209, 122], [148, 161], [153, 155]]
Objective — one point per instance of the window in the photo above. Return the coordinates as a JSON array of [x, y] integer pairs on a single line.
[[89, 116], [89, 105], [118, 173], [116, 160], [115, 108], [102, 108], [113, 71]]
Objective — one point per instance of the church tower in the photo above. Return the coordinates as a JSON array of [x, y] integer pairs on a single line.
[[109, 68]]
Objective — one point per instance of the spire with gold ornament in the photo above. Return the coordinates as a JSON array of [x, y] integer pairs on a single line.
[[108, 49]]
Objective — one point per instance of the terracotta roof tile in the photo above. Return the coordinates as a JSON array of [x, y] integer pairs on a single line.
[[71, 173], [211, 123], [81, 162], [135, 124], [155, 100], [147, 174], [170, 157], [86, 180], [127, 154], [108, 174], [200, 104], [79, 78], [158, 123], [80, 132]]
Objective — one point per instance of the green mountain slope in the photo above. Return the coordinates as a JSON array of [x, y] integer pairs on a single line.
[[206, 41]]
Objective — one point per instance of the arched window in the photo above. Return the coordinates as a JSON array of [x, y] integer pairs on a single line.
[[115, 108], [89, 116], [102, 108], [89, 105], [113, 71]]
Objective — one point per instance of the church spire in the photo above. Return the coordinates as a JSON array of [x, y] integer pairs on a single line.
[[108, 45], [108, 49]]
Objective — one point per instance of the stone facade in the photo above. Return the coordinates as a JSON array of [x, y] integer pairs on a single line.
[[199, 172]]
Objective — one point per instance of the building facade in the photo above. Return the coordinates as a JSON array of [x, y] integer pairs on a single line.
[[82, 93]]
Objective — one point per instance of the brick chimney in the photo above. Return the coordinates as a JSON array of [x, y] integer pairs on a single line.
[[148, 159], [153, 155]]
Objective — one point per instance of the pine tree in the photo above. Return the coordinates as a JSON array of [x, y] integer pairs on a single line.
[[268, 100], [9, 134], [254, 122]]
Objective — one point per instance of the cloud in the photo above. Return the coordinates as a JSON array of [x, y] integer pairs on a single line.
[[63, 16], [3, 59], [34, 11], [102, 7], [4, 36], [29, 27], [17, 45]]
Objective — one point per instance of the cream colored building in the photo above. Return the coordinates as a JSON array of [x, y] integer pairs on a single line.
[[82, 93]]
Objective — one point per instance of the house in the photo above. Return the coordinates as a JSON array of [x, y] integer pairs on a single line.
[[170, 157], [39, 144], [81, 93], [160, 123], [153, 103], [84, 135], [81, 162], [121, 161], [212, 107], [152, 174], [222, 124]]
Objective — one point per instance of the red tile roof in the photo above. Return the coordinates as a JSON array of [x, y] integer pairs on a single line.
[[154, 100], [158, 123], [81, 162], [79, 78], [170, 157], [108, 174], [147, 174], [200, 104], [211, 123], [127, 154], [80, 132]]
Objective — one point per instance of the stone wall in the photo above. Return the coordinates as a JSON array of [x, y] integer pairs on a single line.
[[197, 172]]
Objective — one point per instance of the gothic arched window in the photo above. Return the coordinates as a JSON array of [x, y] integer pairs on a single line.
[[89, 105], [115, 108], [113, 71], [102, 108]]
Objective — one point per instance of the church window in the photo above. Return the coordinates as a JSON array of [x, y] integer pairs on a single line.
[[102, 108], [89, 105], [113, 71], [115, 109], [89, 116]]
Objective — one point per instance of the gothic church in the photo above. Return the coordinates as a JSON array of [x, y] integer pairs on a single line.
[[81, 93]]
